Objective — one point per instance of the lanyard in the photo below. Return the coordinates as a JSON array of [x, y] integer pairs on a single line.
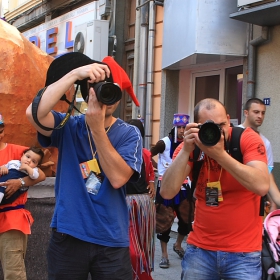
[[89, 138], [208, 179]]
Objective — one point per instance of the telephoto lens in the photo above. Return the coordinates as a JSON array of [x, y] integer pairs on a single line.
[[209, 133], [107, 93]]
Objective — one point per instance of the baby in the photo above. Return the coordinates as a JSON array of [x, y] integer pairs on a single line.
[[17, 169]]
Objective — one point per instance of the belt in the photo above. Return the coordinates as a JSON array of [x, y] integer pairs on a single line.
[[20, 206]]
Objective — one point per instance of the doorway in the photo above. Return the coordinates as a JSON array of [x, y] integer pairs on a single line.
[[225, 85]]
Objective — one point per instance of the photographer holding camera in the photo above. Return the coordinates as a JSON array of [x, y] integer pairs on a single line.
[[98, 154], [226, 240]]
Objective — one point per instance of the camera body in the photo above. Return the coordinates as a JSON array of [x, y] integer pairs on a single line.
[[209, 133], [106, 92]]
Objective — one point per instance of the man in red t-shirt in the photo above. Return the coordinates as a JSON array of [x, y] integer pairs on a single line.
[[227, 230]]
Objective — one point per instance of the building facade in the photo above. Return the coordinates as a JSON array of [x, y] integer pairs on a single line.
[[175, 52]]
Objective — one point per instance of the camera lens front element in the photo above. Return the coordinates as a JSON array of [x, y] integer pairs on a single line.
[[209, 133], [106, 92]]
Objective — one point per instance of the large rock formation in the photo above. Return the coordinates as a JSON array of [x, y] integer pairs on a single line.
[[23, 68]]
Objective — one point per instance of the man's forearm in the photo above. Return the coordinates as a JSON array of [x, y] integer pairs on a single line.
[[31, 182], [246, 174], [113, 165]]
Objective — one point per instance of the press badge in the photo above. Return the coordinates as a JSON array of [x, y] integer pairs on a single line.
[[211, 196], [218, 186], [94, 166], [93, 183], [88, 166]]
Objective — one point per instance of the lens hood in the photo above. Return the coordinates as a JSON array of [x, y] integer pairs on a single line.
[[209, 133], [106, 92]]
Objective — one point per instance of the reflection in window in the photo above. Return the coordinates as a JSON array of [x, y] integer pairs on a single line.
[[233, 92], [207, 87]]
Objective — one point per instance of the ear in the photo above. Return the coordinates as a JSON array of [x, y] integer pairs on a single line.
[[228, 118], [246, 113]]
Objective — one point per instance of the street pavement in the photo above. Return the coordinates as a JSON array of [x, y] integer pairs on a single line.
[[174, 270]]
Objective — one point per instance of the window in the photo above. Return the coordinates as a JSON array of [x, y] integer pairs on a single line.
[[224, 84]]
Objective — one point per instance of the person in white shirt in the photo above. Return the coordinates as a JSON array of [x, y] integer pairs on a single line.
[[254, 112]]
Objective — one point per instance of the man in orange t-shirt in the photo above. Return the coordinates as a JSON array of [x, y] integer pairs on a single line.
[[15, 221], [227, 231]]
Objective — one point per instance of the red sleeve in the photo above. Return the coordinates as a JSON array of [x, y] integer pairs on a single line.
[[150, 174], [177, 150]]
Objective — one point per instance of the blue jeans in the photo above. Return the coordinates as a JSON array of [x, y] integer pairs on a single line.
[[72, 259], [215, 265]]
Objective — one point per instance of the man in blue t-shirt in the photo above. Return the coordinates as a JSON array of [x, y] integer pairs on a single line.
[[98, 154]]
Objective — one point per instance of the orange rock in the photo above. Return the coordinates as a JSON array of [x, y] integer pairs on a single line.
[[23, 68]]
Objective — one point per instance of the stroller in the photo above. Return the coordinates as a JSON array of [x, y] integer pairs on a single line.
[[271, 246]]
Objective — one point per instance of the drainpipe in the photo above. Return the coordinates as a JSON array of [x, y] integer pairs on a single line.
[[142, 63], [112, 27], [135, 110], [150, 76], [252, 55]]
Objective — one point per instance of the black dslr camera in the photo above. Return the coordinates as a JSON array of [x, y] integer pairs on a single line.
[[106, 92], [209, 133]]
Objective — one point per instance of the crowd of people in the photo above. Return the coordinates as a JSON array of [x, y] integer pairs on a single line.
[[105, 217]]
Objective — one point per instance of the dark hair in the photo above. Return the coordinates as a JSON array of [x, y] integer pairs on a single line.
[[139, 125], [209, 104], [252, 100], [37, 151]]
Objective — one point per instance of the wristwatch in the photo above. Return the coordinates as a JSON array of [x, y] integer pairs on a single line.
[[23, 186], [22, 182]]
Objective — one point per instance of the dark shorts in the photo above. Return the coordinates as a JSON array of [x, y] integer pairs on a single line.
[[183, 228], [71, 258]]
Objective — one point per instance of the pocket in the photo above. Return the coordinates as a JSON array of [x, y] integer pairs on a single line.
[[191, 248], [252, 257], [58, 237]]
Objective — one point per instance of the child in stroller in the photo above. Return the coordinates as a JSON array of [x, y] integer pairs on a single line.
[[271, 246]]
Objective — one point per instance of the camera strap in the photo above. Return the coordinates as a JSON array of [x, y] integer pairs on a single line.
[[35, 105]]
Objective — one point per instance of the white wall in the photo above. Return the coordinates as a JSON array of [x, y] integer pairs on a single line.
[[268, 86]]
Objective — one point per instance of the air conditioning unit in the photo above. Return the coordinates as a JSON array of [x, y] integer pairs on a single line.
[[91, 38]]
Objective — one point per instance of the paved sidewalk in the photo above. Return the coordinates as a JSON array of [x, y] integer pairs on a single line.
[[174, 271]]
